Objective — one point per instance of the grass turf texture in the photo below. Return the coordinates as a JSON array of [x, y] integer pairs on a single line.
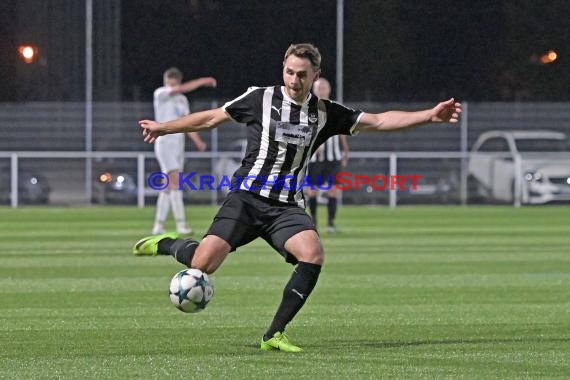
[[411, 292]]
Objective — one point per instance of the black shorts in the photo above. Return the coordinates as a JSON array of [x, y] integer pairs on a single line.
[[245, 216], [321, 172]]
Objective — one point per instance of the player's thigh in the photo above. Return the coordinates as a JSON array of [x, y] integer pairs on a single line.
[[291, 226], [227, 233], [170, 156], [174, 179], [306, 247], [330, 172], [211, 253], [224, 236], [314, 175]]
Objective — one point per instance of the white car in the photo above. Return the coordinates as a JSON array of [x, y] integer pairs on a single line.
[[544, 159]]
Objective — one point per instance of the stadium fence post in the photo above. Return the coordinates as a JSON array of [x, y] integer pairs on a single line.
[[339, 50], [464, 153], [518, 181], [140, 180], [88, 99], [393, 173], [14, 180], [214, 155]]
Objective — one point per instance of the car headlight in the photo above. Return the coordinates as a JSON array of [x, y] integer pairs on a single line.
[[106, 177], [533, 177], [122, 182]]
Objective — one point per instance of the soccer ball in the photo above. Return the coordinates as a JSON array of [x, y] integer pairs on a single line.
[[191, 290]]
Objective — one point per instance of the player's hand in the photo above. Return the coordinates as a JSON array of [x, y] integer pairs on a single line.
[[446, 112], [200, 145], [210, 82], [151, 130], [344, 159]]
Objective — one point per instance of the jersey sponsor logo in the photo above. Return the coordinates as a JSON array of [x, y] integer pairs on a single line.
[[293, 133], [276, 109]]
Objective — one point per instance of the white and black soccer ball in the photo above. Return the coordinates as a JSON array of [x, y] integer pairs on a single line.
[[191, 290]]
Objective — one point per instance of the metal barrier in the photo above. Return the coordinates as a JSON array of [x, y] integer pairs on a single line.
[[214, 157], [360, 163]]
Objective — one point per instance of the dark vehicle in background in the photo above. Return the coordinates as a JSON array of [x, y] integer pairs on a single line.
[[114, 188], [33, 189], [439, 182]]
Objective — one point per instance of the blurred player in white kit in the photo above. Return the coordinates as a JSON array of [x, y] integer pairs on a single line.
[[170, 104]]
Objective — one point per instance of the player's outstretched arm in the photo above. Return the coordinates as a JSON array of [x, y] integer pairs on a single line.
[[444, 112], [194, 85], [200, 144], [195, 122]]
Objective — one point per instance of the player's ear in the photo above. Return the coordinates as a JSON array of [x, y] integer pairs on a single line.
[[317, 75]]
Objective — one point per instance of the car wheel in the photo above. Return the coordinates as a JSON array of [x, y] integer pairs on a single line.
[[474, 191], [513, 193]]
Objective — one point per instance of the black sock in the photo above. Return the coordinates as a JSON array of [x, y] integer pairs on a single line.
[[313, 208], [331, 205], [181, 249], [165, 245], [295, 294]]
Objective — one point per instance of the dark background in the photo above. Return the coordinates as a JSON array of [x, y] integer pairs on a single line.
[[394, 50]]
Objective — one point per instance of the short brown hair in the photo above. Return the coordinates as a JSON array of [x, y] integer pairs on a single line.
[[305, 50], [173, 73]]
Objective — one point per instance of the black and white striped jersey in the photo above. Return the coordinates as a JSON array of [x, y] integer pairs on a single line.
[[330, 151], [282, 134]]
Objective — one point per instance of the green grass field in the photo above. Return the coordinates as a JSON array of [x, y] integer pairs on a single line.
[[412, 292]]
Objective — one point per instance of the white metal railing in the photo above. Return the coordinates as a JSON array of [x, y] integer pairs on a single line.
[[142, 156], [139, 156]]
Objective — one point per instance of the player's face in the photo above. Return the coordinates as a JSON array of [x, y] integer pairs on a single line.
[[322, 89], [171, 82], [298, 77]]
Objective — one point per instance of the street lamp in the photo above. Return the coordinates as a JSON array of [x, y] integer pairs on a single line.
[[549, 57], [28, 53]]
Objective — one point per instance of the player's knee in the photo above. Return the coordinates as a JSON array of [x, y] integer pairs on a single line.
[[210, 254], [206, 266], [205, 262], [306, 247], [173, 182], [312, 255]]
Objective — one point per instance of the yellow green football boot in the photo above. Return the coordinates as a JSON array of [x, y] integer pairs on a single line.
[[279, 341], [148, 246]]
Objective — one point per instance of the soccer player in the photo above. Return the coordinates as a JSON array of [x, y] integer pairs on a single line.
[[171, 104], [285, 124], [325, 164]]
